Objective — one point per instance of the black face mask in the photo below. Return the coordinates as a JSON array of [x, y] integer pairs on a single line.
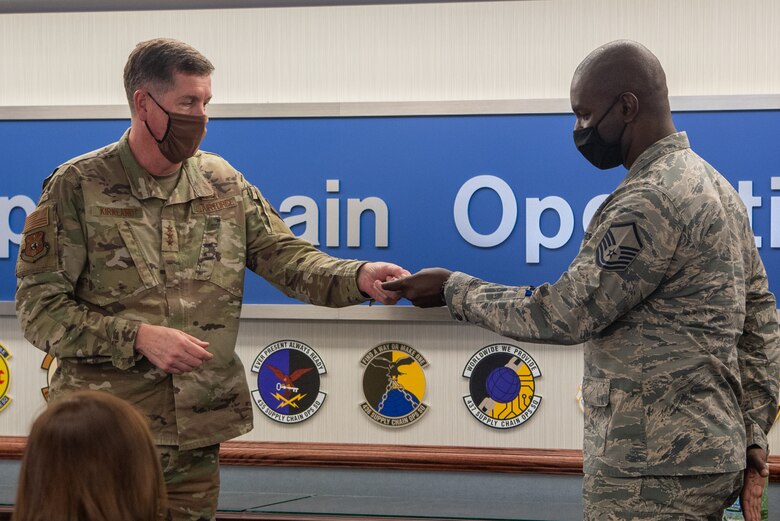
[[601, 154]]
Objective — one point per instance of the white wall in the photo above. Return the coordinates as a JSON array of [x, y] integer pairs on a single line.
[[447, 346], [422, 52]]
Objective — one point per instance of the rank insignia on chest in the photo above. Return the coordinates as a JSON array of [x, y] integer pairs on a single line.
[[619, 247], [35, 246]]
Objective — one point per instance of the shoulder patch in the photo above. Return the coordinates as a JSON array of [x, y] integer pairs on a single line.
[[619, 247], [38, 247], [38, 219], [34, 246]]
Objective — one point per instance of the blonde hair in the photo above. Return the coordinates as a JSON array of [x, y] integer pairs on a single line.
[[90, 457]]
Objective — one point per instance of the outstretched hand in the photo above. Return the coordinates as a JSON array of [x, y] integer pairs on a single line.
[[756, 473], [370, 277], [425, 289]]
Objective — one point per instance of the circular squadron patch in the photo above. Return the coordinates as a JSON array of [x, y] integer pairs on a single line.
[[5, 377], [288, 381], [49, 365], [502, 383], [394, 384]]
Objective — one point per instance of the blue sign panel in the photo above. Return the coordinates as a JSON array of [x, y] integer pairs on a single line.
[[505, 198]]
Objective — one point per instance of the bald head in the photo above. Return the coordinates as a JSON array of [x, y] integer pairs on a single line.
[[623, 66], [620, 90]]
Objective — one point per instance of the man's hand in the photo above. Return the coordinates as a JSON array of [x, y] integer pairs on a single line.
[[370, 277], [171, 350], [424, 289], [756, 473]]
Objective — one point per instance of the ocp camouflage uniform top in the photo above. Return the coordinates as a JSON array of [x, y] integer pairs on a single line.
[[681, 369], [106, 250]]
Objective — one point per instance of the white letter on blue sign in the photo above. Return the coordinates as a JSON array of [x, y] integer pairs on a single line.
[[6, 233], [774, 216], [310, 216], [508, 214], [746, 193], [534, 238]]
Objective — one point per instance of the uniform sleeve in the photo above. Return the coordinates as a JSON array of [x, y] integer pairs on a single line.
[[293, 265], [759, 354], [619, 265], [52, 257]]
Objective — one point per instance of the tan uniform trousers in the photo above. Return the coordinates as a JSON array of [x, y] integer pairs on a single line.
[[192, 481]]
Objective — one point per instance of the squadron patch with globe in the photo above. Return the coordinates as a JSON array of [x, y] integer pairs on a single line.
[[288, 381], [394, 384], [502, 386]]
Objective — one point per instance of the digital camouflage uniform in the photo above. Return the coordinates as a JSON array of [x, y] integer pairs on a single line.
[[106, 250], [681, 363]]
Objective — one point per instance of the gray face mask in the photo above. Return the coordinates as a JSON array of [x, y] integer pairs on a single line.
[[182, 135], [592, 146]]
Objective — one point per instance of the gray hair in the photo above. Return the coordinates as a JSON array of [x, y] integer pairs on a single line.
[[154, 62]]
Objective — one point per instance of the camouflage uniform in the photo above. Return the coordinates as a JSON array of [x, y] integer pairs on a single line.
[[681, 367], [107, 250]]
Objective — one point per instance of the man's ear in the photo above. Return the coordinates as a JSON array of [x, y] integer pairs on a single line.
[[140, 104], [629, 106]]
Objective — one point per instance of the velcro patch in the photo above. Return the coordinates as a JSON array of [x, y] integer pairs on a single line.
[[34, 246], [116, 211], [38, 219], [619, 247], [213, 206]]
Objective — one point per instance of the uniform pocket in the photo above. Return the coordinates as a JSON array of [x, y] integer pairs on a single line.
[[595, 397], [766, 317], [145, 273], [118, 267], [222, 256]]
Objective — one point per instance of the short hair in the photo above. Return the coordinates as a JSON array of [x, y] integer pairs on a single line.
[[90, 457], [154, 62], [626, 66]]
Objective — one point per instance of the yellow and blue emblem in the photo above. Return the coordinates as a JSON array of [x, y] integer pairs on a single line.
[[502, 386], [5, 377], [394, 384]]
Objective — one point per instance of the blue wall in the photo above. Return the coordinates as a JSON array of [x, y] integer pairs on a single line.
[[416, 166]]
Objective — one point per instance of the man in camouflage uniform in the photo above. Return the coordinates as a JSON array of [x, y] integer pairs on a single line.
[[131, 272], [681, 363]]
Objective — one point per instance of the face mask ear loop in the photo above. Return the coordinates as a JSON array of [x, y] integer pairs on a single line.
[[167, 128], [596, 126]]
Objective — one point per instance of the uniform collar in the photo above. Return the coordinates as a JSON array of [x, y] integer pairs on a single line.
[[191, 185], [671, 143]]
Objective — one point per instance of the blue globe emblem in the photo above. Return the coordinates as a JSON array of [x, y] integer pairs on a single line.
[[502, 384], [396, 404]]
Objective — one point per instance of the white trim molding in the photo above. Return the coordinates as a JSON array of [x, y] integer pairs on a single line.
[[390, 108]]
